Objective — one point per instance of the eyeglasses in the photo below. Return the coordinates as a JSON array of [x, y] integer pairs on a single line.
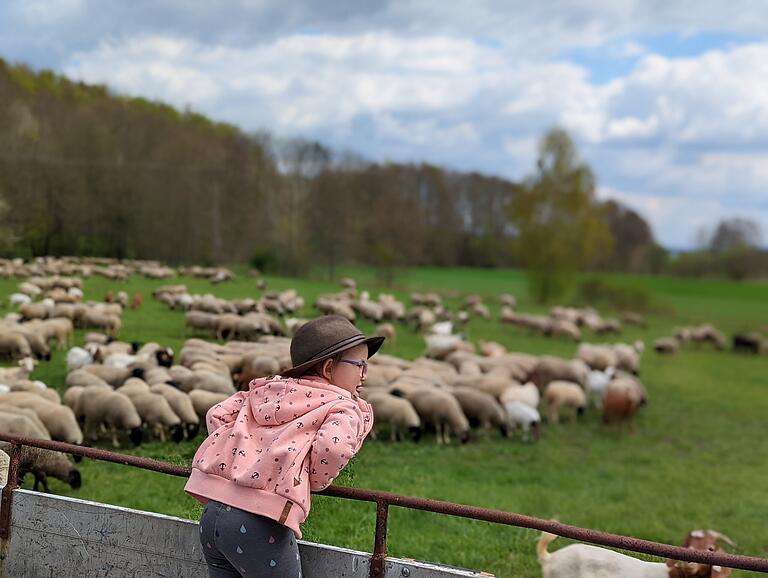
[[361, 365]]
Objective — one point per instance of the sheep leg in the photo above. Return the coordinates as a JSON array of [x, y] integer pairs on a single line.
[[161, 431], [115, 443], [41, 478], [439, 433]]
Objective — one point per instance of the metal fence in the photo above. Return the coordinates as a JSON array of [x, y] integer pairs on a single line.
[[383, 501]]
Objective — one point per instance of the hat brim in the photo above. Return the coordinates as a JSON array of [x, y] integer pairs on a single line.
[[373, 343]]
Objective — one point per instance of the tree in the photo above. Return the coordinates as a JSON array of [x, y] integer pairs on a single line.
[[633, 239], [734, 233], [559, 227]]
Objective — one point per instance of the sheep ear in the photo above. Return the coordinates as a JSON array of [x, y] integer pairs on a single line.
[[723, 537]]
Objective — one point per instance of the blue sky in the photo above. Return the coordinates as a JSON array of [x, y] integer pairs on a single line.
[[667, 101]]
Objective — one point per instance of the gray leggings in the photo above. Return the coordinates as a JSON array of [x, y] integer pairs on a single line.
[[238, 543]]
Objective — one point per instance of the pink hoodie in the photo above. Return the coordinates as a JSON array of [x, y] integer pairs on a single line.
[[268, 447]]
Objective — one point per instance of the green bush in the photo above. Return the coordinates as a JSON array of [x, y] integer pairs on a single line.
[[596, 291]]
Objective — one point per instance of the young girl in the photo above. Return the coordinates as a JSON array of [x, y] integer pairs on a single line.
[[270, 446]]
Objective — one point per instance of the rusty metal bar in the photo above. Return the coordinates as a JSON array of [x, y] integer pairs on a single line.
[[10, 485], [385, 499], [380, 544]]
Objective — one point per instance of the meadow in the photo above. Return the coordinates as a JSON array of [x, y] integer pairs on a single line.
[[697, 456]]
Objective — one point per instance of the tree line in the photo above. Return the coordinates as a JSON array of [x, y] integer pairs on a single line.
[[84, 171]]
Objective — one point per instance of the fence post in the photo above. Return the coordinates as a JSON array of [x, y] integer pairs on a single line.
[[11, 484], [380, 545]]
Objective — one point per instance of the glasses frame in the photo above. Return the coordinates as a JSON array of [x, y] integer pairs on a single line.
[[362, 365]]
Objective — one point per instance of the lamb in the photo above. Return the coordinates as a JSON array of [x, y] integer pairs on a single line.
[[597, 384], [181, 406], [96, 406], [481, 408], [442, 410], [527, 394], [59, 420], [587, 561], [44, 463], [525, 417], [395, 411], [78, 357], [11, 374], [18, 299], [560, 394], [386, 330]]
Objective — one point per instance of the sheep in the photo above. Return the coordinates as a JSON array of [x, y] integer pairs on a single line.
[[18, 299], [624, 396], [395, 411], [560, 394], [114, 376], [666, 345], [181, 405], [156, 412], [22, 371], [43, 463], [78, 357], [84, 378], [37, 344], [204, 400], [20, 421], [14, 346], [628, 358], [599, 357], [96, 406], [481, 408], [587, 561], [554, 368], [207, 379], [386, 330], [442, 410], [564, 328], [597, 384], [525, 417], [38, 388], [527, 394], [59, 420]]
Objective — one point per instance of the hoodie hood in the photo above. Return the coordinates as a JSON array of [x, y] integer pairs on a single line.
[[278, 400]]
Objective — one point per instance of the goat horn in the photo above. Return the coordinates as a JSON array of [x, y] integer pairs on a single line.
[[723, 537]]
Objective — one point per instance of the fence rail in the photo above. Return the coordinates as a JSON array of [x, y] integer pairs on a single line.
[[383, 501]]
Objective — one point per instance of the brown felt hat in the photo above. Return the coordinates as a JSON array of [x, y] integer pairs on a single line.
[[324, 337]]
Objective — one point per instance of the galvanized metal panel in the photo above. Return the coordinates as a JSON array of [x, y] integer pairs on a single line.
[[61, 536]]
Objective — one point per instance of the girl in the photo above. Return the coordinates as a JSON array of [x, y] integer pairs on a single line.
[[272, 445]]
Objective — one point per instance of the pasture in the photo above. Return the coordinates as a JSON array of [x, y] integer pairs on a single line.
[[697, 457]]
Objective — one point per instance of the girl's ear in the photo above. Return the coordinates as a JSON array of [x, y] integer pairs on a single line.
[[327, 369]]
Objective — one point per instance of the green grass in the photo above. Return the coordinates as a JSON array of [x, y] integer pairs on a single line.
[[697, 457]]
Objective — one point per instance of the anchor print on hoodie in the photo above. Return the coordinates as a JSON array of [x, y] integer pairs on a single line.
[[270, 446]]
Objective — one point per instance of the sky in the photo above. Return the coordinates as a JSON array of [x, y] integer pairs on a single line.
[[667, 101]]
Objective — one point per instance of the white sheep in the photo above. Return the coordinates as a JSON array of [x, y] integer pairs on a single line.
[[18, 299], [395, 411], [525, 417], [597, 383], [559, 394], [96, 406], [527, 394], [181, 406], [59, 420], [442, 410]]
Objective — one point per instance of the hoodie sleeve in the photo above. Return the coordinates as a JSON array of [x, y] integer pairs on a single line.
[[337, 441], [225, 412]]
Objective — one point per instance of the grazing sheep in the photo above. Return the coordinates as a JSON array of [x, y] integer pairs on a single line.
[[97, 406], [597, 384], [181, 406], [481, 409], [395, 411], [527, 394], [44, 463], [23, 422], [386, 330], [559, 394], [114, 376], [14, 346], [204, 400], [59, 420], [84, 378], [525, 417], [556, 369], [441, 410], [666, 345], [156, 412], [624, 396]]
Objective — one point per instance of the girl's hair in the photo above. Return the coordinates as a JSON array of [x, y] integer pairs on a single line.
[[318, 367]]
